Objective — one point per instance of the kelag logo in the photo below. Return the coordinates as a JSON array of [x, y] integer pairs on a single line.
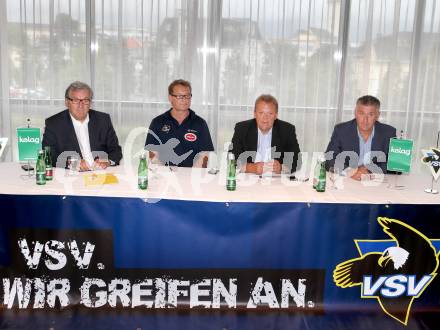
[[405, 152], [29, 139], [394, 271]]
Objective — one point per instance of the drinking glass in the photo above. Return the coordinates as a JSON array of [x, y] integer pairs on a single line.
[[334, 173]]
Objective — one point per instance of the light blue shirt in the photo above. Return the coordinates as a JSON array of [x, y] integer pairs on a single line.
[[365, 148], [264, 146]]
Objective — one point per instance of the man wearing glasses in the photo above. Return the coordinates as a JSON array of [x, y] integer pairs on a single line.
[[79, 129], [179, 137]]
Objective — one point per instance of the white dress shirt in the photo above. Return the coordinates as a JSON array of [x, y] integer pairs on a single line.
[[365, 149], [82, 134], [264, 146]]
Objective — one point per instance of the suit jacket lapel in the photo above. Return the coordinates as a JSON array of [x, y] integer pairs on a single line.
[[92, 131], [376, 138], [253, 136], [355, 137], [276, 139]]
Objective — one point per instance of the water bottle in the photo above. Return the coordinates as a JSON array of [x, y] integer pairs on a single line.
[[48, 161], [41, 169], [322, 178], [143, 173], [316, 173], [231, 181]]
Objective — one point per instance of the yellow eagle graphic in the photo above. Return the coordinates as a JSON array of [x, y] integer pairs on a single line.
[[413, 254]]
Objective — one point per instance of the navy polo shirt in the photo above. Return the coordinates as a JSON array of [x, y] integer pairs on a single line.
[[178, 144]]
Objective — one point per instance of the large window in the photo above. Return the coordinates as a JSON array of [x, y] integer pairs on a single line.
[[315, 56]]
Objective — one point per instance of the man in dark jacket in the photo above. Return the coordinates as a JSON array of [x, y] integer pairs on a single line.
[[361, 144], [265, 143], [78, 130]]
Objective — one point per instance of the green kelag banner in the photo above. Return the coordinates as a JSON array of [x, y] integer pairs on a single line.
[[28, 143], [399, 155]]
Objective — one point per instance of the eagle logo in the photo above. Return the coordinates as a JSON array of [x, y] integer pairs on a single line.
[[401, 272], [431, 157]]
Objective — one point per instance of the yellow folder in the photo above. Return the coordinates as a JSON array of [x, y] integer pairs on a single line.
[[94, 179]]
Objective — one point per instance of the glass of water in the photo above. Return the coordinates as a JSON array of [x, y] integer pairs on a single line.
[[334, 173]]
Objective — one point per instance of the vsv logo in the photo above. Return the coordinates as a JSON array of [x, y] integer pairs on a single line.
[[394, 286], [399, 150], [393, 271], [55, 258], [29, 139]]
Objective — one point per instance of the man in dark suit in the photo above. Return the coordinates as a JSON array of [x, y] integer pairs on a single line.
[[265, 143], [361, 144], [78, 129]]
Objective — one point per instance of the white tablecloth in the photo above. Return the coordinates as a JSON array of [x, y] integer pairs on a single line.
[[198, 184]]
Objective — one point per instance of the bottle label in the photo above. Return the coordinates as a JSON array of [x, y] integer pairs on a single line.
[[231, 184], [321, 185], [142, 182], [41, 177], [49, 173]]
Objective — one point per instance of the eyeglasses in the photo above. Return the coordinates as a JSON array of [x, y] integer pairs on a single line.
[[78, 101], [182, 97]]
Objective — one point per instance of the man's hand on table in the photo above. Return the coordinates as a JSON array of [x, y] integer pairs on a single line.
[[97, 165], [259, 168], [361, 173]]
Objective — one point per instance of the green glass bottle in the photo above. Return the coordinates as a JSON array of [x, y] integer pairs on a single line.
[[143, 173], [322, 178], [48, 161], [231, 181], [41, 169], [316, 171]]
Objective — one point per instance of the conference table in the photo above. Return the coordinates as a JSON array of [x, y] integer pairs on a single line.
[[91, 250]]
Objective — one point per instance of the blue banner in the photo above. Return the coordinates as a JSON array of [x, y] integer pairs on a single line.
[[113, 263]]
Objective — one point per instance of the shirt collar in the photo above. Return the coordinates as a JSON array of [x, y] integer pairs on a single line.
[[361, 138], [77, 122], [265, 134], [190, 116]]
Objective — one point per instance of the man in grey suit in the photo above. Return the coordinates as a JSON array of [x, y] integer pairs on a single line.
[[362, 143]]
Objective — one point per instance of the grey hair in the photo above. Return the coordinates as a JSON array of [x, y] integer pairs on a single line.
[[368, 100], [78, 85]]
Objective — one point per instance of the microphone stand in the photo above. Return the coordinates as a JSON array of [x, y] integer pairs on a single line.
[[28, 167], [394, 185], [29, 162], [432, 190]]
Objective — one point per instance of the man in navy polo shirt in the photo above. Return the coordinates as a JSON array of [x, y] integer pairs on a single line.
[[179, 137]]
